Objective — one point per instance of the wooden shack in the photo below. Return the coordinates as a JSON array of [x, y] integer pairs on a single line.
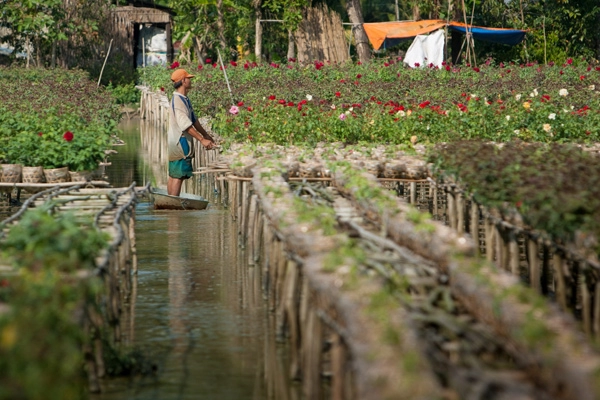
[[133, 25]]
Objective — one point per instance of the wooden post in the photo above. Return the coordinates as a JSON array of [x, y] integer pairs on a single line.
[[559, 279], [513, 250], [534, 265], [475, 225], [460, 212]]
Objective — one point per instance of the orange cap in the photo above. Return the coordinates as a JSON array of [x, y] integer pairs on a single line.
[[180, 74]]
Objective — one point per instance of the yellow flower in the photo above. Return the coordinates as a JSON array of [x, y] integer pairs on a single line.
[[8, 336], [547, 127], [527, 105]]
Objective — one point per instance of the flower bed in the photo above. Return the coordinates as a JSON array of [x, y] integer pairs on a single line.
[[54, 118], [387, 102]]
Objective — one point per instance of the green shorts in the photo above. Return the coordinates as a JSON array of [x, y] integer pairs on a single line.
[[181, 169]]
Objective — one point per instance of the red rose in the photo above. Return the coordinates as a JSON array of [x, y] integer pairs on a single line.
[[569, 61], [208, 61], [358, 76], [40, 133], [246, 66], [271, 97], [291, 104], [424, 104], [337, 94], [200, 66], [68, 136], [233, 63], [241, 103], [282, 101]]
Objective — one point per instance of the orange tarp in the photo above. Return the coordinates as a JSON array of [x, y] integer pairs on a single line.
[[379, 31]]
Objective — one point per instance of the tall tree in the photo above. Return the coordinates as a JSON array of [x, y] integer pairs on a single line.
[[363, 49]]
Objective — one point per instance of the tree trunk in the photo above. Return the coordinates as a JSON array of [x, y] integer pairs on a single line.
[[53, 59], [360, 36], [221, 25], [258, 34], [416, 11], [291, 48]]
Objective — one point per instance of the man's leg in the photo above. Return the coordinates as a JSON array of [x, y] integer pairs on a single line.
[[174, 186]]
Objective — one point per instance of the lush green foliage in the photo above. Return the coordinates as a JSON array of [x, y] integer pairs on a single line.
[[54, 118], [556, 188], [386, 102], [41, 333]]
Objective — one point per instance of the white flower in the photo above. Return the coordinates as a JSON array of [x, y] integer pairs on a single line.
[[534, 93], [563, 92], [348, 112], [333, 106], [351, 109], [517, 131], [552, 116], [308, 97], [401, 113], [592, 87], [518, 97], [508, 117]]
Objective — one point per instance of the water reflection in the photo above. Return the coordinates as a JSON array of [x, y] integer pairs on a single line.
[[199, 310]]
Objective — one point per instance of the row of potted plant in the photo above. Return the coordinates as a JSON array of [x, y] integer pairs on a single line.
[[59, 120]]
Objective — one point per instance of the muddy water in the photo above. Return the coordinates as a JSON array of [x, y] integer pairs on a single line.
[[197, 310]]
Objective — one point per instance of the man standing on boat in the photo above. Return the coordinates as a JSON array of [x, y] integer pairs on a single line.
[[183, 127]]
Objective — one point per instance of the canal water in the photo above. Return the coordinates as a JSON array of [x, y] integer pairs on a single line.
[[197, 310]]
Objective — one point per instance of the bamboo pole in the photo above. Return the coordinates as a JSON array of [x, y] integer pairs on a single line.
[[534, 265], [559, 279]]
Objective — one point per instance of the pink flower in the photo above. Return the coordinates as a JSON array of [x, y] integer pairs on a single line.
[[234, 110], [68, 136], [342, 116]]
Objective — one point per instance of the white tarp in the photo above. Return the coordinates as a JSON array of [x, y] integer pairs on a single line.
[[152, 44], [426, 50]]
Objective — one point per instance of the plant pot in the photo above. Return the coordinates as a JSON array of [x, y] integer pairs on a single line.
[[33, 175], [10, 173], [81, 176], [57, 175]]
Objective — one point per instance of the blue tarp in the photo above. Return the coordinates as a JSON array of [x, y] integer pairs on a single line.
[[502, 36]]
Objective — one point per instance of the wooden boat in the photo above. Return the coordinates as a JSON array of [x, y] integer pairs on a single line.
[[185, 201]]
